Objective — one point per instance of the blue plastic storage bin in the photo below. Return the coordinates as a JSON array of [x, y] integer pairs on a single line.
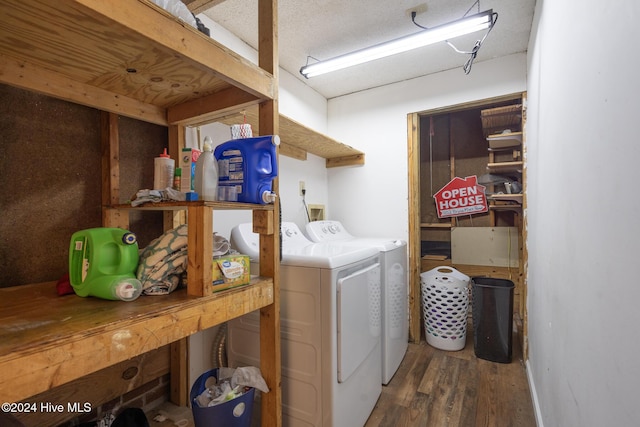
[[233, 413]]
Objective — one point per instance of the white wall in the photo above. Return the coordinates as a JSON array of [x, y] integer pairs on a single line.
[[298, 102], [583, 152], [372, 200]]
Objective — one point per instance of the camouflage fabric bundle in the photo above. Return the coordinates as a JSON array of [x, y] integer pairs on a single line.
[[163, 263]]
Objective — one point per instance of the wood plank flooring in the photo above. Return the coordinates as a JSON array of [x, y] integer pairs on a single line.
[[437, 388]]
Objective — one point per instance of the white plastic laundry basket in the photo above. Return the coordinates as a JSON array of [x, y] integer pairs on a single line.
[[445, 304]]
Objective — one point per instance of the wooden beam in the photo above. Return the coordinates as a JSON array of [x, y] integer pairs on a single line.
[[110, 142], [268, 116], [200, 253], [355, 160], [199, 6], [413, 154], [292, 151], [264, 222], [180, 372], [173, 218], [110, 158], [209, 108], [524, 314], [31, 77]]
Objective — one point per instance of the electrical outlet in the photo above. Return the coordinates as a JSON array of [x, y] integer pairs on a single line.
[[302, 187]]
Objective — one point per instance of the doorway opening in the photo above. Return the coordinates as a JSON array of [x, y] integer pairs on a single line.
[[483, 139]]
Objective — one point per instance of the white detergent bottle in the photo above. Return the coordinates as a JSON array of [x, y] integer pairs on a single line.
[[206, 179]]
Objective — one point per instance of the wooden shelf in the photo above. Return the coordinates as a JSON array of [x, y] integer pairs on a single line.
[[131, 58], [175, 206], [435, 225], [58, 339], [506, 197], [505, 166], [505, 141], [296, 140], [514, 208]]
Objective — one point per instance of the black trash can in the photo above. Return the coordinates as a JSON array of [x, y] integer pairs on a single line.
[[492, 312]]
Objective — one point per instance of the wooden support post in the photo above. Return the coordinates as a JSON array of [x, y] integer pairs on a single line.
[[110, 142], [524, 256], [268, 119], [180, 372], [266, 223], [172, 219], [200, 253], [413, 151]]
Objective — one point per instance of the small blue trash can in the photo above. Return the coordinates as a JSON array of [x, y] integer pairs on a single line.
[[233, 413]]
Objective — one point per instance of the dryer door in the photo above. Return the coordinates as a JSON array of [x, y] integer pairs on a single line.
[[358, 318]]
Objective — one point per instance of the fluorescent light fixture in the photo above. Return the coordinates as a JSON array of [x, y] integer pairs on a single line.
[[470, 24]]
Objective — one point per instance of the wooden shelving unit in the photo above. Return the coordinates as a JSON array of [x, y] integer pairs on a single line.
[[135, 59], [297, 140], [47, 340], [505, 155]]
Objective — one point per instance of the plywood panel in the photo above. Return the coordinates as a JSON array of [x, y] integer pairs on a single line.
[[50, 160], [435, 163], [41, 349], [490, 246], [51, 175], [132, 50]]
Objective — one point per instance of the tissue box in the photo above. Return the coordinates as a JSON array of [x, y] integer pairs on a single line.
[[230, 271]]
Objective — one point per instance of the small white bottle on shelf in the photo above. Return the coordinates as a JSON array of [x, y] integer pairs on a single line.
[[163, 167], [206, 179]]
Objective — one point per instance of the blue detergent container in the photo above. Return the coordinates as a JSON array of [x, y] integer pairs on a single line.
[[246, 168]]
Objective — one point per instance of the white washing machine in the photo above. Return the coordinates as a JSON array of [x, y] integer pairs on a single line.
[[330, 329], [394, 286]]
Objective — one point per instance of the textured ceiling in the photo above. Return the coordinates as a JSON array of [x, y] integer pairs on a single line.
[[323, 29]]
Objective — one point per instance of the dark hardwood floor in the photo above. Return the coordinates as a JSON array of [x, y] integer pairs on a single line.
[[437, 388]]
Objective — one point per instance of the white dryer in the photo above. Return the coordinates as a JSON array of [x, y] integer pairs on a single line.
[[394, 288], [330, 329]]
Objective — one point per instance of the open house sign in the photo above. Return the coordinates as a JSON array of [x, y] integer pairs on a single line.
[[461, 197]]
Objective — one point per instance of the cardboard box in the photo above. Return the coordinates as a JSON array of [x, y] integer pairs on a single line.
[[230, 271], [188, 159]]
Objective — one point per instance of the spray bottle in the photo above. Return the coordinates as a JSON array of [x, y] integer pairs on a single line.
[[206, 179]]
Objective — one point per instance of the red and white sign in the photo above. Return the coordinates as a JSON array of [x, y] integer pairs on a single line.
[[461, 197]]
